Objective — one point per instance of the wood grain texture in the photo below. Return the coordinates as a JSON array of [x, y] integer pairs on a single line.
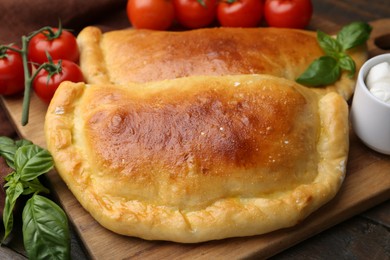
[[366, 184], [355, 239]]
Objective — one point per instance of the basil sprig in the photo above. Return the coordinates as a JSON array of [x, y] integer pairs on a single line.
[[327, 69], [45, 225]]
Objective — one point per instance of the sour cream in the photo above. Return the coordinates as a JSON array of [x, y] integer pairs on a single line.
[[378, 81]]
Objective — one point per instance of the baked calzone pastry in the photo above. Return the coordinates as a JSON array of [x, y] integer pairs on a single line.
[[198, 158], [129, 55]]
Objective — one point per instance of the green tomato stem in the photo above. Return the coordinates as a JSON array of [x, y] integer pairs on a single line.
[[28, 79], [27, 82], [202, 3]]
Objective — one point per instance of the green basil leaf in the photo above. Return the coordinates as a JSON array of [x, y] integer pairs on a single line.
[[4, 140], [34, 186], [45, 229], [354, 34], [348, 64], [32, 161], [329, 44], [8, 150], [12, 194], [322, 71], [22, 142], [12, 179]]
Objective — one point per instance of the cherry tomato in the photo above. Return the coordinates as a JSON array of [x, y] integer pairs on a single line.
[[11, 72], [150, 14], [195, 13], [240, 13], [63, 47], [288, 13], [46, 82]]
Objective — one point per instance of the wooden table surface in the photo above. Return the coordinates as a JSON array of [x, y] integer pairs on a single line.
[[364, 236]]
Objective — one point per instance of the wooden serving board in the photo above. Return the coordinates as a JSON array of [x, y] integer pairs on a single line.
[[367, 184]]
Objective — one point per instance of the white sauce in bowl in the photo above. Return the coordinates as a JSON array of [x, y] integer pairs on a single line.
[[378, 81]]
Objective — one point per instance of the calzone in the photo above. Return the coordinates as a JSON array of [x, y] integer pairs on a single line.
[[129, 55], [198, 158]]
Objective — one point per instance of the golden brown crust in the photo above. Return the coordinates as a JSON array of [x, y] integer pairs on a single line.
[[124, 56], [198, 158]]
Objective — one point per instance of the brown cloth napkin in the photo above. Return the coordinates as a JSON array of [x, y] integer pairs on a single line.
[[21, 17]]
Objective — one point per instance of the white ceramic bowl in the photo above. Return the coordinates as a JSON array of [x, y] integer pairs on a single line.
[[370, 117]]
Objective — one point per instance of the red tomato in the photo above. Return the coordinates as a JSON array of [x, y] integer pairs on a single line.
[[64, 47], [288, 13], [11, 72], [46, 82], [150, 14], [240, 13], [195, 13]]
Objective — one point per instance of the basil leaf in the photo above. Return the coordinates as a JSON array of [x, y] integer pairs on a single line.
[[322, 71], [12, 194], [22, 142], [329, 44], [7, 150], [32, 161], [347, 63], [4, 140], [45, 229], [354, 34], [45, 225], [12, 179], [34, 186]]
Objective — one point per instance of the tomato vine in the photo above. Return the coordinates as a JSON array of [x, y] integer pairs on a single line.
[[49, 34]]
